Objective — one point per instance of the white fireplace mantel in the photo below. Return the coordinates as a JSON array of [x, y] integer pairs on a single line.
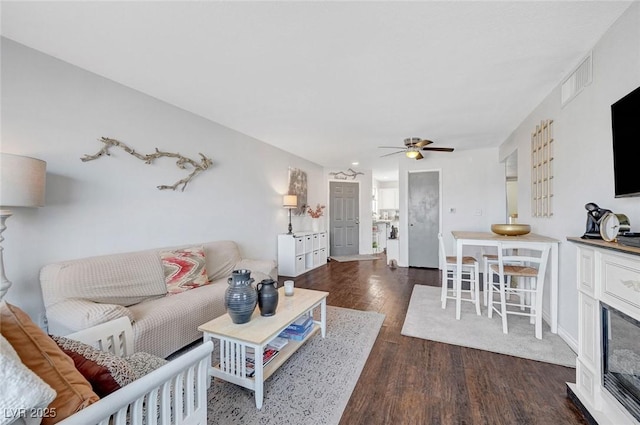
[[603, 269]]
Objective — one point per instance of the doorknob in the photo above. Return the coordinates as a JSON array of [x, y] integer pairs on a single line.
[[411, 225], [357, 220]]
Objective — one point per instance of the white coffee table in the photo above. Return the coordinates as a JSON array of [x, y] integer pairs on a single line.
[[234, 339]]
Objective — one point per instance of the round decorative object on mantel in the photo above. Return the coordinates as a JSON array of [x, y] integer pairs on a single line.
[[240, 298], [609, 227]]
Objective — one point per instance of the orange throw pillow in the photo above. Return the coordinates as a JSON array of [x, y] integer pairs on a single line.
[[43, 356]]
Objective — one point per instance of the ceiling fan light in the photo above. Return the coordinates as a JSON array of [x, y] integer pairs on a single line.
[[412, 154]]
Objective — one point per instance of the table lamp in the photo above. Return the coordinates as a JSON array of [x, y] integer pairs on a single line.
[[290, 202], [22, 182]]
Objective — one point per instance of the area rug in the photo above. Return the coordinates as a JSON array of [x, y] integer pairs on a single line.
[[313, 386], [427, 320], [345, 258]]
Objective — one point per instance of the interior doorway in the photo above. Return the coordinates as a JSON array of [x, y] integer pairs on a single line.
[[423, 215], [344, 223], [511, 177]]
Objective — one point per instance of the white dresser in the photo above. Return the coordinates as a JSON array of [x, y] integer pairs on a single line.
[[607, 273], [301, 252]]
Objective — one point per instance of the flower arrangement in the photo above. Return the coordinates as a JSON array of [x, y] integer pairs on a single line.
[[316, 213]]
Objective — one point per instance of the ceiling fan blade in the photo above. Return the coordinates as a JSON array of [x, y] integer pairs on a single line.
[[390, 147], [392, 153], [419, 156], [438, 149], [423, 142]]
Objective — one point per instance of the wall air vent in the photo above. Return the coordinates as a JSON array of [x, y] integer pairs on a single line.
[[580, 78]]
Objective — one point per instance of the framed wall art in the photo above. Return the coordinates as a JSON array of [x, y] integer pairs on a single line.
[[298, 187]]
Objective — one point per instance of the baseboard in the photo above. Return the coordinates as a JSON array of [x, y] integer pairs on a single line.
[[571, 342], [562, 333]]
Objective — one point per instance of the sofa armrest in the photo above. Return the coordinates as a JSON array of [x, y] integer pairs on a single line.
[[266, 267], [115, 336], [76, 314]]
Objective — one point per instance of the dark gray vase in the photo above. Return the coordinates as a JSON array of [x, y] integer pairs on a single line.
[[267, 297], [241, 297]]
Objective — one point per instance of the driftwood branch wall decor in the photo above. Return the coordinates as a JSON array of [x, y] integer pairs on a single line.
[[343, 175], [182, 161]]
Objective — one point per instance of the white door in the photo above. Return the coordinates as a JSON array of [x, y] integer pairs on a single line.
[[424, 218], [344, 223]]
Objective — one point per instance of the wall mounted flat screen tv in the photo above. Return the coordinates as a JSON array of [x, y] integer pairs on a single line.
[[625, 123]]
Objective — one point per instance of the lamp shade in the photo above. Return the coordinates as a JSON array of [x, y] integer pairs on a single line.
[[22, 181], [290, 201]]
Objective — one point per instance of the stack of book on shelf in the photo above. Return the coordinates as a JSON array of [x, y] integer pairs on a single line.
[[278, 343], [269, 354], [299, 329]]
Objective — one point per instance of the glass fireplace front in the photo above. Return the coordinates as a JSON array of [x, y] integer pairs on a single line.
[[621, 358]]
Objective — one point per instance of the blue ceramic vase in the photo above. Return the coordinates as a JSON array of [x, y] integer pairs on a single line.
[[241, 297]]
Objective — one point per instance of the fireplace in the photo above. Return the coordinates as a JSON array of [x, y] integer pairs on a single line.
[[607, 387], [621, 358]]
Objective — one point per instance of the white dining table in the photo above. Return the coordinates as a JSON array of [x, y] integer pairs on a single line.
[[464, 238]]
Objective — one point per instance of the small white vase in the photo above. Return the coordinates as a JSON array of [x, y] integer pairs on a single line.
[[315, 224]]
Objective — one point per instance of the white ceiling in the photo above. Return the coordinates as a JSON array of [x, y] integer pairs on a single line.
[[330, 81]]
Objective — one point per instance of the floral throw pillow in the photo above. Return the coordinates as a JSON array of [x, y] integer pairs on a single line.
[[184, 269]]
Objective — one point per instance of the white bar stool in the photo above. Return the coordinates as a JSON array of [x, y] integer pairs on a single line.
[[487, 259], [471, 268], [530, 269]]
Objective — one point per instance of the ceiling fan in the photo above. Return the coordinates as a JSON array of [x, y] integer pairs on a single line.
[[413, 146]]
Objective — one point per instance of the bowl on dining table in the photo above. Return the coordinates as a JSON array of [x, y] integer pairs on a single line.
[[512, 229]]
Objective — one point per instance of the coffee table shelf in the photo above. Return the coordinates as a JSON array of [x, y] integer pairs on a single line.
[[234, 339], [283, 354]]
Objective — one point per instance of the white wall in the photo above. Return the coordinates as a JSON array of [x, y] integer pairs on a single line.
[[473, 181], [583, 154], [384, 184], [55, 112]]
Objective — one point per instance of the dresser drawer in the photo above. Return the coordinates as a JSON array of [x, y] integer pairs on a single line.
[[299, 245], [308, 243], [300, 266], [323, 240], [621, 279]]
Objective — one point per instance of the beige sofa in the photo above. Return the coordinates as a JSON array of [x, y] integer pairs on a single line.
[[82, 293]]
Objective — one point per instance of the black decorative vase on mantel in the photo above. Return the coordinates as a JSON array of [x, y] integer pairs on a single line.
[[240, 298]]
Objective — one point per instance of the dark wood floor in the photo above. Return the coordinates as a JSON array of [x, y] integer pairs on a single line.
[[413, 381]]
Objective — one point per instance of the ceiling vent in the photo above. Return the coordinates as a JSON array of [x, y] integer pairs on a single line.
[[580, 78]]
